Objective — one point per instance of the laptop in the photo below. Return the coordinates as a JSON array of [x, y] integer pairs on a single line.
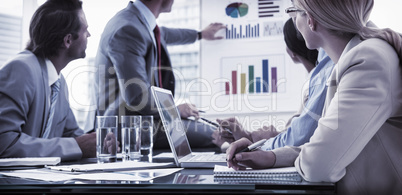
[[176, 135]]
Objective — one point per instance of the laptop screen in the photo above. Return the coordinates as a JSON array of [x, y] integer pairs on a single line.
[[172, 122]]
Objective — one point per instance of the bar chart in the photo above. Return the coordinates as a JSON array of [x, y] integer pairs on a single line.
[[253, 75], [269, 8], [242, 31]]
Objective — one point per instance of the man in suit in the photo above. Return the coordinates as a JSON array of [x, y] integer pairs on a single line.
[[35, 117], [132, 56]]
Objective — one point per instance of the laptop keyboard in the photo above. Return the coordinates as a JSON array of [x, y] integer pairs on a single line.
[[208, 158]]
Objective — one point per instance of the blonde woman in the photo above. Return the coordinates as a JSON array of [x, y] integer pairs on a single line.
[[358, 141]]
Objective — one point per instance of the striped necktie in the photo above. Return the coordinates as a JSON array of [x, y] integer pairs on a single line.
[[157, 34], [55, 92]]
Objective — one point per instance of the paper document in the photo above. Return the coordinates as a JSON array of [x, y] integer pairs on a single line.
[[116, 166], [138, 175], [170, 155], [57, 176], [29, 161]]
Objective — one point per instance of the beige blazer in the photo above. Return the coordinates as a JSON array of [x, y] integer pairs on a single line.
[[358, 141]]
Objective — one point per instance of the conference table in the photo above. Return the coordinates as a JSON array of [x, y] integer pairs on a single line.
[[185, 181]]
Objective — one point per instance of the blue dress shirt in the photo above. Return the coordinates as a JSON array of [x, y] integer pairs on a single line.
[[303, 126]]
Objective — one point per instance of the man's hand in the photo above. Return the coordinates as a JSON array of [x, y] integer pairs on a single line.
[[263, 133], [235, 127], [187, 110], [209, 32], [256, 159], [220, 141], [87, 144], [111, 144]]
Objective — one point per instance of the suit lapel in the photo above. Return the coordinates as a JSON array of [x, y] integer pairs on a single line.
[[45, 85], [153, 66], [333, 81]]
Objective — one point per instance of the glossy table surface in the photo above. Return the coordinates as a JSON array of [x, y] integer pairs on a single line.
[[186, 181]]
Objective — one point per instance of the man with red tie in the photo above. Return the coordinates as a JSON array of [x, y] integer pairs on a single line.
[[132, 56]]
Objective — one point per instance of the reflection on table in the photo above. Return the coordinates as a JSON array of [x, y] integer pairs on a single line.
[[185, 181]]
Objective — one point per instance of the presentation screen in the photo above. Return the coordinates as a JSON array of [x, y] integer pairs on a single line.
[[249, 70]]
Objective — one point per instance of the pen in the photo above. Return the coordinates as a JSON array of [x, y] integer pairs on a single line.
[[57, 168], [252, 147], [215, 124], [201, 111]]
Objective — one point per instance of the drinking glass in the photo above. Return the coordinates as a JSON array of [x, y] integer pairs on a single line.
[[147, 132], [106, 142], [131, 138]]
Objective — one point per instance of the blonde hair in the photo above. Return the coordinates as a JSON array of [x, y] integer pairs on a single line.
[[349, 17]]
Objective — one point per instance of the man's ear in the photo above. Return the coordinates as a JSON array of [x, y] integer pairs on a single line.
[[293, 54], [312, 23], [67, 41]]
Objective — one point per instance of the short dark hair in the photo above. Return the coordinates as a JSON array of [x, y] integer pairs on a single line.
[[50, 23], [296, 43]]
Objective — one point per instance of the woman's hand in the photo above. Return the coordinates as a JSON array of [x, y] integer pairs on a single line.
[[258, 159]]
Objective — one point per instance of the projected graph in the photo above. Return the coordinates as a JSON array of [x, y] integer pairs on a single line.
[[253, 75], [242, 31], [269, 8], [236, 10], [272, 28]]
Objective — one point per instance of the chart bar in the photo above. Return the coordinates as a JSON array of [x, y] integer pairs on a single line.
[[257, 32], [243, 83], [227, 88], [251, 79], [258, 85], [265, 76], [234, 82], [274, 81]]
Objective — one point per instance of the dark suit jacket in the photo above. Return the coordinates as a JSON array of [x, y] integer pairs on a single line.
[[24, 108], [127, 64]]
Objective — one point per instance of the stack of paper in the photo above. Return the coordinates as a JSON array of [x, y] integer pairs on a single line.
[[29, 161], [117, 166], [56, 176]]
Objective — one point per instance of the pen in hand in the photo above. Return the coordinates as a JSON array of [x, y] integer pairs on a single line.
[[252, 147], [215, 124]]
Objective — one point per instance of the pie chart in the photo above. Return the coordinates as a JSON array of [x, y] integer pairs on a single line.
[[237, 10]]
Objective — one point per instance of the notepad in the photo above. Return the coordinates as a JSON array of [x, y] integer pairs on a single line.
[[223, 173], [29, 161]]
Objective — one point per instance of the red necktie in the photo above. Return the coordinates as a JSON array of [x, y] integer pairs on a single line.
[[158, 47]]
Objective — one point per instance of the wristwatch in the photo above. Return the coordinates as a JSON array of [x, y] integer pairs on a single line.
[[199, 35]]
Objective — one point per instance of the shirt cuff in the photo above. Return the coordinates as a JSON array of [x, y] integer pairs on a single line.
[[267, 145], [199, 35], [286, 156]]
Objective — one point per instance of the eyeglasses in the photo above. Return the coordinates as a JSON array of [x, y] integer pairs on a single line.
[[292, 11]]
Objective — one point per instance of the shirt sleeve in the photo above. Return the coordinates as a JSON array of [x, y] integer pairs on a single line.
[[286, 156], [302, 127]]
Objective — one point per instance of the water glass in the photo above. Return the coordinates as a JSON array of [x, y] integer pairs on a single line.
[[147, 124], [106, 142], [131, 138]]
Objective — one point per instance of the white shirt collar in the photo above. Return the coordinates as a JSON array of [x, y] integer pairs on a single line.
[[51, 72], [321, 54], [146, 14]]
